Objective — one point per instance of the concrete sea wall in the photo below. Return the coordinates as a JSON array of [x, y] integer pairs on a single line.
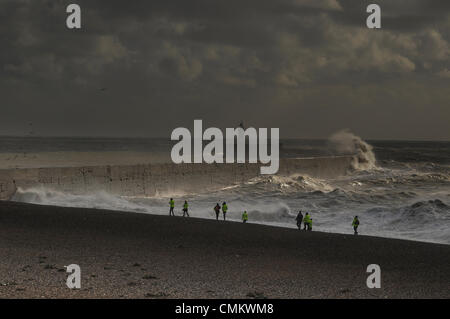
[[154, 179]]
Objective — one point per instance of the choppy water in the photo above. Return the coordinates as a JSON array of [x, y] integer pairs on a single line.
[[405, 193]]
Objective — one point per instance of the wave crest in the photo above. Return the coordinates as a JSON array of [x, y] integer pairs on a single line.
[[345, 142], [99, 200]]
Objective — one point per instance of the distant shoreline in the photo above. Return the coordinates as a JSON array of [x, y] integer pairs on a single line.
[[165, 138]]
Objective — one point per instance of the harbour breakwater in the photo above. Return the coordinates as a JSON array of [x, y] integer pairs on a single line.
[[160, 178]]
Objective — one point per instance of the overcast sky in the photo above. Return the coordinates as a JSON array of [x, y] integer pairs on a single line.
[[309, 67]]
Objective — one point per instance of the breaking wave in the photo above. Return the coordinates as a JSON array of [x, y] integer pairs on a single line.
[[293, 183], [276, 201], [345, 142], [98, 200], [399, 198]]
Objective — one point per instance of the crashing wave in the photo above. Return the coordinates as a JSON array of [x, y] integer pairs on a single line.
[[99, 200], [345, 142], [292, 183]]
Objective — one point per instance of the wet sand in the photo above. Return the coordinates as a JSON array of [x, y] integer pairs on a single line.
[[127, 255]]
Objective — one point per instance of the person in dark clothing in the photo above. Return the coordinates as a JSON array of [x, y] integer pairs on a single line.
[[299, 219], [355, 225], [217, 211]]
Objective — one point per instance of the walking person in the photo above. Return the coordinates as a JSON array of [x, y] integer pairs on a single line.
[[244, 217], [299, 220], [172, 207], [224, 210], [217, 211], [306, 221], [355, 225], [185, 209]]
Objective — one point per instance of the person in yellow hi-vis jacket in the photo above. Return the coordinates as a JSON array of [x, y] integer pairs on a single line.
[[244, 217], [224, 210], [172, 206], [185, 209], [307, 222]]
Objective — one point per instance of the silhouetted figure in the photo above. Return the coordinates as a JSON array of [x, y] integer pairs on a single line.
[[172, 206], [355, 224], [217, 211], [299, 220]]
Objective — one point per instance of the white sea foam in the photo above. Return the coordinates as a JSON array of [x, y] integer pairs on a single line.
[[348, 143], [401, 198]]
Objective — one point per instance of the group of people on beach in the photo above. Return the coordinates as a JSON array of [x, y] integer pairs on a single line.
[[172, 208], [217, 209], [306, 220], [224, 210]]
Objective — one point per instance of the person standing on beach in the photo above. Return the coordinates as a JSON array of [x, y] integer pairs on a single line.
[[244, 217], [355, 224], [172, 206], [217, 211], [224, 210], [185, 209], [306, 221], [299, 220]]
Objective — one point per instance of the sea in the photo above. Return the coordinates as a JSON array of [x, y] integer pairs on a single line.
[[398, 189]]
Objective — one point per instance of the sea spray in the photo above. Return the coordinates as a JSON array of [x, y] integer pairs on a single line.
[[345, 142], [407, 197], [383, 210], [101, 200]]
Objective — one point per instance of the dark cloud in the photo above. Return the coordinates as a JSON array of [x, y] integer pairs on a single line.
[[306, 66]]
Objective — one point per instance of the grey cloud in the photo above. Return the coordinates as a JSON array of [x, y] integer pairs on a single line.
[[269, 61]]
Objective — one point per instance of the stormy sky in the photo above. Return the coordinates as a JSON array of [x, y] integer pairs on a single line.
[[309, 67]]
